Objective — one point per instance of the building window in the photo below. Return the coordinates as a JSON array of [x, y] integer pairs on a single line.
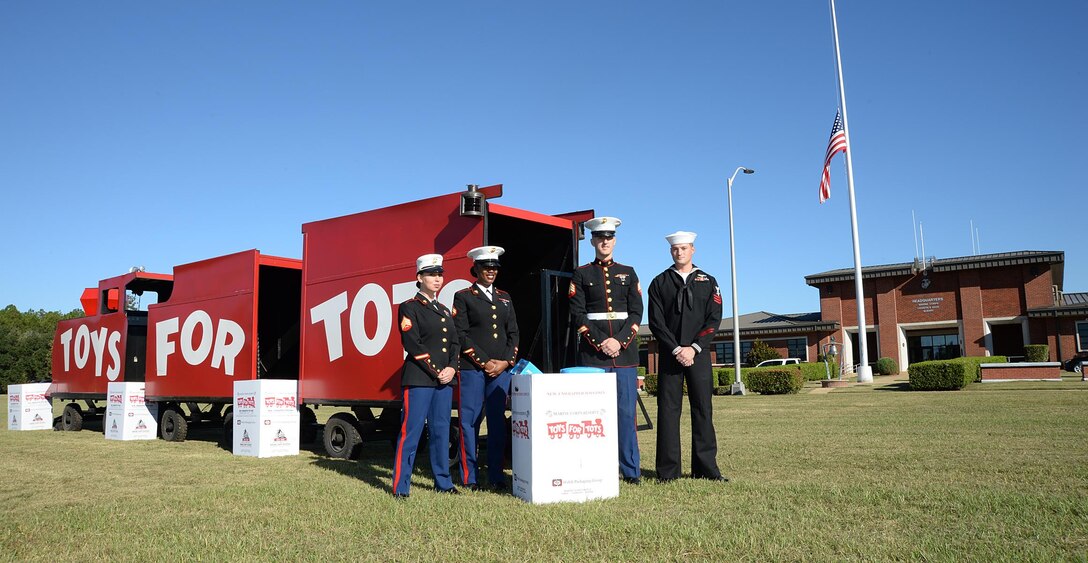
[[724, 351], [933, 347], [1082, 336], [798, 348]]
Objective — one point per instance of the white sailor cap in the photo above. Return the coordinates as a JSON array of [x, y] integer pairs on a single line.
[[429, 264], [486, 255], [604, 227], [681, 237]]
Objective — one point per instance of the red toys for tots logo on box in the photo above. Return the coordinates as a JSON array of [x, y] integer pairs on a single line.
[[576, 430]]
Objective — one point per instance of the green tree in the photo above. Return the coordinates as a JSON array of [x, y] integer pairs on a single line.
[[760, 351], [26, 342]]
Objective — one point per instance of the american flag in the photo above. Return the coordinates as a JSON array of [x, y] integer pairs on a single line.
[[836, 143]]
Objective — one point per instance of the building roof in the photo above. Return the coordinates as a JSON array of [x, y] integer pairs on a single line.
[[762, 323], [1056, 258], [1071, 305]]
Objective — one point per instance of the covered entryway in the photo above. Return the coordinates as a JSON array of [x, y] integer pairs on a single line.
[[1007, 340]]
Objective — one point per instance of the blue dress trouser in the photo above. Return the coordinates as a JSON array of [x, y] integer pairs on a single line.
[[481, 394], [430, 406], [626, 421]]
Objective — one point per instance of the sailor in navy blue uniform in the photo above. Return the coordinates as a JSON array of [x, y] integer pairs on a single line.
[[430, 341], [606, 309], [685, 311], [488, 330]]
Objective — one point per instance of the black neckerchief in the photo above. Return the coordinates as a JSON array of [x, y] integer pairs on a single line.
[[685, 296]]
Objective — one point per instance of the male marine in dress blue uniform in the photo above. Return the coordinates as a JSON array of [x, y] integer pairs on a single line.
[[430, 340], [488, 330], [685, 311], [606, 309]]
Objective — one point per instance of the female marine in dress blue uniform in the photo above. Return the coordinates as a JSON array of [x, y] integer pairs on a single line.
[[488, 330], [430, 340]]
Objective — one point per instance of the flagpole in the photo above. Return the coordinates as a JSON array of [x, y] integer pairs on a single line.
[[865, 373]]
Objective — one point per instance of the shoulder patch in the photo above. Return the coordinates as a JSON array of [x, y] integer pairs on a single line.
[[572, 290], [405, 324]]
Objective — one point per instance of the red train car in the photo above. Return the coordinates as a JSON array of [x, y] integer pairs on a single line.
[[106, 345], [228, 319], [358, 268], [215, 321]]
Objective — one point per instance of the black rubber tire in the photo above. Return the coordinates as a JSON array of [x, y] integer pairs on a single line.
[[227, 440], [307, 429], [342, 438], [172, 426], [71, 420]]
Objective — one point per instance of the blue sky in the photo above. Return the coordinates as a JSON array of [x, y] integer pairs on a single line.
[[158, 133]]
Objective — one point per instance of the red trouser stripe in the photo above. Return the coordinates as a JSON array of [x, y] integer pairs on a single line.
[[464, 462], [400, 443]]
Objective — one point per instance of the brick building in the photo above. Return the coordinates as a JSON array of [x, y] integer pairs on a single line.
[[990, 304]]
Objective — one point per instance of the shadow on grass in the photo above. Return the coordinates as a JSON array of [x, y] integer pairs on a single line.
[[898, 386], [374, 466]]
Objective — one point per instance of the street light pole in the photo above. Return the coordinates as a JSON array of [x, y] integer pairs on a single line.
[[738, 385]]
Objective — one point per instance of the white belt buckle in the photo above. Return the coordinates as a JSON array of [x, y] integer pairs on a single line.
[[611, 316]]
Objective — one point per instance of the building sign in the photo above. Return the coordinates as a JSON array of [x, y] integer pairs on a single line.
[[928, 304]]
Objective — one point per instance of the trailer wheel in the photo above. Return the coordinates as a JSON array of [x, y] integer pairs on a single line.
[[227, 441], [307, 431], [342, 437], [72, 418], [173, 427]]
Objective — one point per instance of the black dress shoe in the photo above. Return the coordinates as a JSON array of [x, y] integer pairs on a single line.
[[473, 487], [633, 480], [499, 487], [666, 479], [719, 478], [450, 491], [400, 496]]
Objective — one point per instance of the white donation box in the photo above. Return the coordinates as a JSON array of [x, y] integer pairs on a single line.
[[29, 408], [564, 437], [266, 419], [128, 415]]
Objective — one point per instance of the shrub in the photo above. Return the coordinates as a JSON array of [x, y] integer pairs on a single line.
[[811, 371], [938, 375], [649, 385], [944, 375], [973, 372], [726, 376], [776, 381], [1037, 353], [641, 371], [760, 351], [887, 366], [816, 371]]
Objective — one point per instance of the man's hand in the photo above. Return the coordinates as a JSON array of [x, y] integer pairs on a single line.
[[446, 375], [611, 347], [686, 356], [495, 367]]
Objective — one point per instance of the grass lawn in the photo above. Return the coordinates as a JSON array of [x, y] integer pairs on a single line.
[[996, 471]]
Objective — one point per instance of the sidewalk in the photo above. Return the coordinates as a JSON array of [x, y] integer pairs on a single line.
[[878, 381]]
